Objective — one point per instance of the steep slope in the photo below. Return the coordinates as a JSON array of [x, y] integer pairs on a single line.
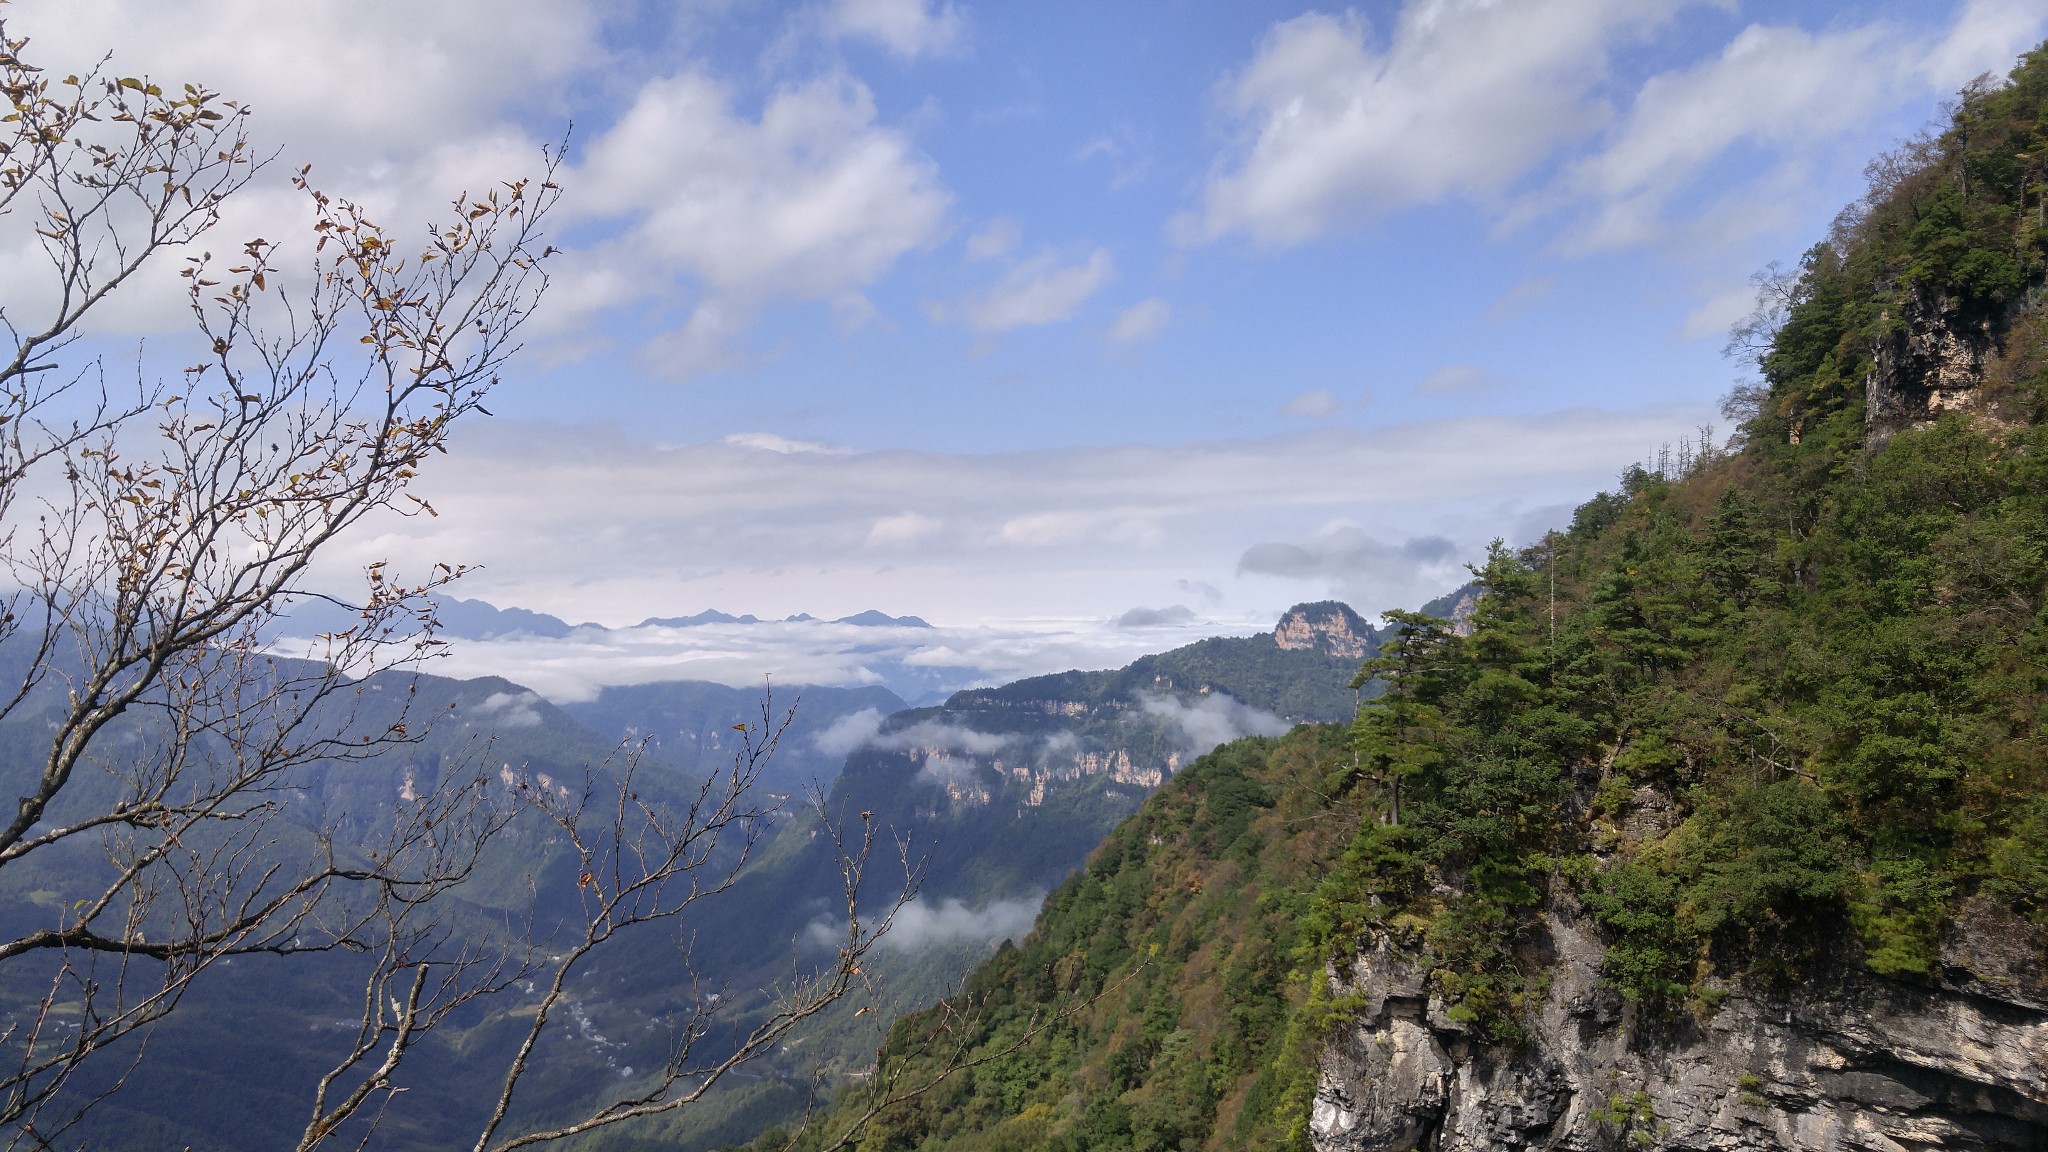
[[1001, 793], [1720, 823], [1152, 1005], [1006, 789], [234, 1069]]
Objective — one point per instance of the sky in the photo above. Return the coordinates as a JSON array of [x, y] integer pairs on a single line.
[[1021, 317]]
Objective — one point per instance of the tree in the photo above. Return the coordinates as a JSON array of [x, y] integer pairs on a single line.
[[153, 539]]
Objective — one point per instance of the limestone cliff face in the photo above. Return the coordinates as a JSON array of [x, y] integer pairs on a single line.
[[1851, 1061], [1328, 626], [1930, 361]]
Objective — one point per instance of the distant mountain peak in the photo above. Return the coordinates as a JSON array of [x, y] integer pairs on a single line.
[[482, 620], [708, 616], [874, 619], [867, 619], [1329, 626]]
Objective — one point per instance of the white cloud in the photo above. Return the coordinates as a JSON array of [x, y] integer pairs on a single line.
[[939, 736], [849, 732], [1217, 718], [356, 82], [920, 924], [1044, 529], [1041, 290], [1141, 321], [1987, 37], [509, 710], [1779, 87], [1781, 93], [396, 106], [902, 529], [1524, 295], [1467, 98], [707, 210], [999, 238], [914, 662], [811, 200], [1039, 547], [782, 445], [1320, 404], [1458, 380], [1719, 312], [1514, 107], [909, 28]]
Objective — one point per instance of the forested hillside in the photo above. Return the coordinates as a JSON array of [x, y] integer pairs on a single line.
[[1153, 1005], [1769, 725], [1000, 794]]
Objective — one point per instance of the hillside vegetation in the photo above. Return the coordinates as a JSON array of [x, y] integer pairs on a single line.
[[1152, 1006], [1777, 710]]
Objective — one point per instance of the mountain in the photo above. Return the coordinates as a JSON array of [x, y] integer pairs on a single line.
[[1716, 821], [867, 619], [232, 1069], [708, 616], [874, 619], [1159, 1001], [691, 724], [1011, 786], [479, 620], [1000, 793]]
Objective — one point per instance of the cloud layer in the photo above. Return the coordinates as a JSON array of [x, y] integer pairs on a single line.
[[1057, 538], [1211, 720]]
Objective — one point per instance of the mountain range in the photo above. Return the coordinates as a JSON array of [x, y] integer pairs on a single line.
[[999, 794], [1716, 821]]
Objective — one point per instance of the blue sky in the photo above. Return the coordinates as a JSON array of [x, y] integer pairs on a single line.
[[1078, 131], [1024, 315]]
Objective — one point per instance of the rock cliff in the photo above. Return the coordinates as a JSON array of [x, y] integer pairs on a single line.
[[1929, 360], [1327, 626], [1849, 1061]]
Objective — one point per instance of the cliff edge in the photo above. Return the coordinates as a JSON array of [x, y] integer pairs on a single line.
[[1850, 1061]]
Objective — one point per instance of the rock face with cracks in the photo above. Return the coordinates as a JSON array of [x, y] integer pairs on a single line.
[[1930, 361], [1846, 1061]]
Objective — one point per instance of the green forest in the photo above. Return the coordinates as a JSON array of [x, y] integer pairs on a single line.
[[1776, 709]]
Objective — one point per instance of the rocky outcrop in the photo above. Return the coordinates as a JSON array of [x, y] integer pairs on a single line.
[[1851, 1062], [1930, 361], [1327, 626]]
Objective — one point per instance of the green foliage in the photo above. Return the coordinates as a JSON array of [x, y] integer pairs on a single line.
[[1781, 711], [1784, 703], [2017, 863], [1158, 1004], [1650, 948], [1630, 1121]]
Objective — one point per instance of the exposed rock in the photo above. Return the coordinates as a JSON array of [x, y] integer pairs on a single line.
[[1850, 1062], [1328, 626], [1931, 361], [1456, 606]]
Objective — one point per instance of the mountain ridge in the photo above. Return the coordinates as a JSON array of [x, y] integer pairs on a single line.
[[1715, 822]]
